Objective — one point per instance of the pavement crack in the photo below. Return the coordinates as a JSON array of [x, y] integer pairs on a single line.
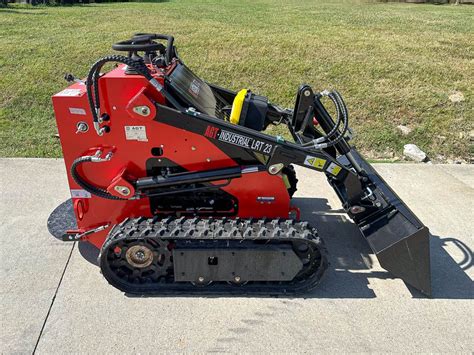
[[53, 299]]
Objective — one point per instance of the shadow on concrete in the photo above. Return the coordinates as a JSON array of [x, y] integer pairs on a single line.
[[351, 258], [89, 252], [449, 276], [349, 254]]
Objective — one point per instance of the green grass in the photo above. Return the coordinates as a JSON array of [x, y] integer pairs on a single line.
[[394, 63]]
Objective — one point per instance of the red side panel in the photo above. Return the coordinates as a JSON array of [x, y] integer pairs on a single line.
[[131, 138]]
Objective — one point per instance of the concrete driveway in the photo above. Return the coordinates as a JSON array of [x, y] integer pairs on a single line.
[[54, 300]]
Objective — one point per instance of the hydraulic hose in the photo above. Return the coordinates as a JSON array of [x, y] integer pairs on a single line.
[[345, 119], [338, 115], [342, 116], [93, 79], [138, 65], [94, 190]]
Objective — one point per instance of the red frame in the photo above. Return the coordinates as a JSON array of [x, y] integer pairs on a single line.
[[120, 92]]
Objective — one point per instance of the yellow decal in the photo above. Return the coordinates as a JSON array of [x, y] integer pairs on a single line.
[[333, 169], [317, 163]]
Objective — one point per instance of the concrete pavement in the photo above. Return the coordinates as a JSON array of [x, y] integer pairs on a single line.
[[53, 300]]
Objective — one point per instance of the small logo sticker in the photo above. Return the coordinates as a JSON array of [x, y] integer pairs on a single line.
[[317, 163], [194, 88], [211, 132], [136, 133]]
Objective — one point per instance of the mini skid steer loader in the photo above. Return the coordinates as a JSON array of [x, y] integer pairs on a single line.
[[174, 181]]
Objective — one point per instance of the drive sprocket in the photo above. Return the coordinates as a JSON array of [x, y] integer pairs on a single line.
[[139, 260]]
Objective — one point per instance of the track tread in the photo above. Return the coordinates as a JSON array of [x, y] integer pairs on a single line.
[[201, 230]]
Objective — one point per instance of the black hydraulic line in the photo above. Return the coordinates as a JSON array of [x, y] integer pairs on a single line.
[[94, 190], [138, 65], [342, 110], [93, 78], [330, 127], [328, 124], [338, 115], [345, 119]]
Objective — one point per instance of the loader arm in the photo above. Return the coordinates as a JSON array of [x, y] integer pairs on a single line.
[[397, 237]]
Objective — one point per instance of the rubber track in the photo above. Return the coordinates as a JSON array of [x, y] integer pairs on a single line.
[[197, 230]]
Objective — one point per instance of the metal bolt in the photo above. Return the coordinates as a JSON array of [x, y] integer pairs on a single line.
[[201, 279], [237, 279], [142, 110], [82, 127], [140, 255], [307, 93], [275, 168], [357, 209], [123, 190]]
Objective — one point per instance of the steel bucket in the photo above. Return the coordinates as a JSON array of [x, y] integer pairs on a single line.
[[397, 237]]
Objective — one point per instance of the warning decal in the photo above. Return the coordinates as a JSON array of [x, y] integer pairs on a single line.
[[317, 163], [333, 169]]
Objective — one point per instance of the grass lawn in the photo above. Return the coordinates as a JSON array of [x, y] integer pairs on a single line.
[[394, 63]]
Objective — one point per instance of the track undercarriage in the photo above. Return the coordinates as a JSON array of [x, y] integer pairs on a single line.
[[271, 257]]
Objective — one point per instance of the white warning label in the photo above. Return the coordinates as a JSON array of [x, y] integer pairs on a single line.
[[70, 92], [136, 133], [79, 193], [77, 111]]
